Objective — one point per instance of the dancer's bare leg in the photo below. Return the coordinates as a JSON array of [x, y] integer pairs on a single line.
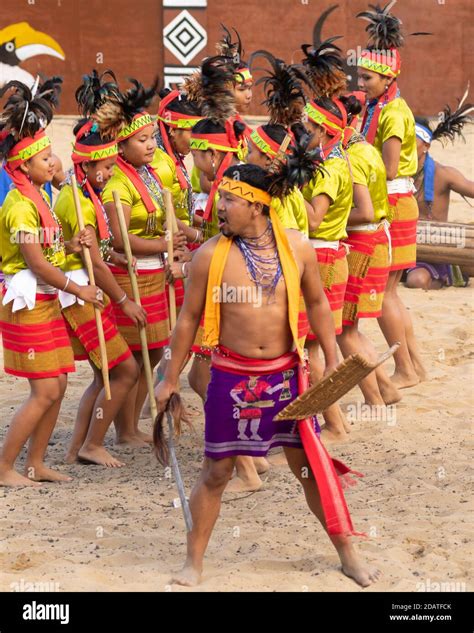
[[412, 343], [336, 428], [122, 379], [205, 503], [45, 393], [142, 391], [84, 414], [393, 328], [352, 565], [35, 468], [388, 391]]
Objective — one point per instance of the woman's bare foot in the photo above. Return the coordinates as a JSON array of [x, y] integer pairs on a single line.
[[71, 456], [352, 566], [330, 434], [261, 464], [131, 440], [390, 393], [10, 477], [403, 381], [98, 455], [278, 459], [189, 576], [244, 485], [145, 437], [419, 368], [40, 472]]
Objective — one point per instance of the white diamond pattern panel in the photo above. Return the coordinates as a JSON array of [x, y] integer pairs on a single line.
[[184, 37]]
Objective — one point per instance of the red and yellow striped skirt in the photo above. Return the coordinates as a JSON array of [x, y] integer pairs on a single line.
[[35, 342], [151, 286], [82, 330], [404, 214], [178, 293], [334, 271], [368, 262]]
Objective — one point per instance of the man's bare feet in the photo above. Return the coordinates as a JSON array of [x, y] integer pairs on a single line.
[[261, 464], [331, 435], [10, 477], [133, 441], [403, 381], [390, 393], [189, 576], [352, 566], [364, 575], [40, 472], [98, 455]]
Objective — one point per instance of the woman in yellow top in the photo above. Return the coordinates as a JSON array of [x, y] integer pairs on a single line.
[[264, 145], [389, 125], [368, 257], [35, 341], [141, 196], [94, 157], [177, 115], [330, 197]]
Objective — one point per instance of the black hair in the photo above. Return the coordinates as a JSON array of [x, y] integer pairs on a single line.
[[180, 104], [252, 175], [352, 105], [275, 131], [422, 121], [209, 126]]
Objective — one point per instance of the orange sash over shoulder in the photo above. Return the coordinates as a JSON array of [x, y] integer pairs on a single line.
[[290, 272]]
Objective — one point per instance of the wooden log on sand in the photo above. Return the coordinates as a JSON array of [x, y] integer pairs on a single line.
[[446, 243]]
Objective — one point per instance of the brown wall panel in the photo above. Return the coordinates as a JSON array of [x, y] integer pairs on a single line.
[[435, 69]]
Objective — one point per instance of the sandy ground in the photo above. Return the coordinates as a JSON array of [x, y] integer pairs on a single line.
[[118, 529]]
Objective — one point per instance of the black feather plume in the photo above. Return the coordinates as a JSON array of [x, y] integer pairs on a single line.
[[94, 91], [218, 100], [27, 111], [299, 166], [452, 123], [228, 48], [325, 67], [283, 85], [384, 29]]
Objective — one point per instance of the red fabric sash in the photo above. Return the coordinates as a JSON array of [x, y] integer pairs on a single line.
[[226, 162], [326, 471], [99, 209], [388, 96], [138, 183], [27, 189]]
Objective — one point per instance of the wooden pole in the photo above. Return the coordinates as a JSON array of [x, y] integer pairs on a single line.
[[90, 272], [136, 297], [280, 157], [446, 243], [170, 229]]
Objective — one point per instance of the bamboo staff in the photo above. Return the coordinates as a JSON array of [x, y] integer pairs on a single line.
[[90, 272], [171, 228], [280, 157], [136, 297]]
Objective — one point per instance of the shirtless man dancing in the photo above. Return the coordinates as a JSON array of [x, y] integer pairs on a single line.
[[253, 352]]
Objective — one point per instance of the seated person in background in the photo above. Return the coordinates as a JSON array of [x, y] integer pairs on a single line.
[[434, 183]]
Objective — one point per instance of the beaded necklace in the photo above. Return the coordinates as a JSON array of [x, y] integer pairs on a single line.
[[146, 175], [265, 272]]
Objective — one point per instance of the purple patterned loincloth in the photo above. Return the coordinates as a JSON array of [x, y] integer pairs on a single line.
[[239, 412]]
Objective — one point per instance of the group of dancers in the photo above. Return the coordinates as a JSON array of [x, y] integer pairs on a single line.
[[312, 211]]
